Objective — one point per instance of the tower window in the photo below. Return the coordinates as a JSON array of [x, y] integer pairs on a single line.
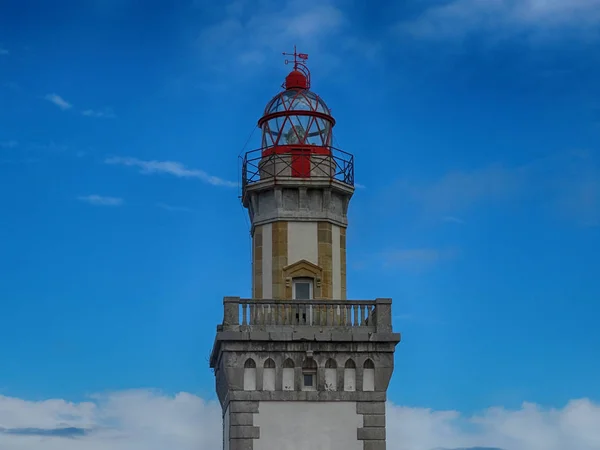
[[308, 380], [303, 288], [309, 373]]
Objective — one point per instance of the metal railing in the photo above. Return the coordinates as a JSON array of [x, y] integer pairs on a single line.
[[338, 165]]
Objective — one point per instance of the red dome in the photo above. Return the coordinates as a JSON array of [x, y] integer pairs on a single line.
[[296, 80]]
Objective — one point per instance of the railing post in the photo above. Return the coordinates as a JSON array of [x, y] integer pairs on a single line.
[[383, 315], [231, 314]]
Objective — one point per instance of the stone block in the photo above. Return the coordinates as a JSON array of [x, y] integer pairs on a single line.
[[243, 407], [372, 445], [370, 433], [341, 336], [241, 444], [370, 408], [280, 336], [382, 378], [259, 336], [374, 420], [361, 336], [244, 432], [304, 335], [237, 419], [386, 337], [231, 335]]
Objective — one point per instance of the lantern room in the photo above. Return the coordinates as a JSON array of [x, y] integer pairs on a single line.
[[296, 116], [297, 136], [297, 128]]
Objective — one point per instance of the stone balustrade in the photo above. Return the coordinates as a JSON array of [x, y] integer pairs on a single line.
[[255, 314]]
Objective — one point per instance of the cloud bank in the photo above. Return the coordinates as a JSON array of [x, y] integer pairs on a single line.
[[99, 200], [151, 420], [58, 101], [567, 183], [169, 167], [539, 19]]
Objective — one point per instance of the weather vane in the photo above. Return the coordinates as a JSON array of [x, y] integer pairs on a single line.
[[299, 58], [299, 66]]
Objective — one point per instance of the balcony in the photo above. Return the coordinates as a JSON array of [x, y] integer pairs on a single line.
[[369, 316], [261, 165]]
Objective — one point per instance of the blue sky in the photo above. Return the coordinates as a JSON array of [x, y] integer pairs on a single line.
[[475, 126]]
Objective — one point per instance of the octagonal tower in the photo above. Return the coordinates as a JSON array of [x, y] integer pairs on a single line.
[[297, 188]]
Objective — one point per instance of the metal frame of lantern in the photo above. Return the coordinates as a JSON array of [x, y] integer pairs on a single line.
[[307, 98]]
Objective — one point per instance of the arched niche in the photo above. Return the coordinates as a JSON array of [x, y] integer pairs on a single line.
[[331, 375], [269, 375], [250, 375], [288, 375], [350, 375], [368, 375]]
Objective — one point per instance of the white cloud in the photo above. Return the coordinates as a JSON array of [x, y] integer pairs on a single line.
[[58, 101], [418, 259], [105, 113], [457, 190], [12, 85], [98, 200], [9, 144], [150, 420], [174, 208], [255, 35], [501, 18], [452, 219], [569, 182], [170, 167]]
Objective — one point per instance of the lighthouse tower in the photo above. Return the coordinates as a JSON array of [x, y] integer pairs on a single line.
[[299, 366]]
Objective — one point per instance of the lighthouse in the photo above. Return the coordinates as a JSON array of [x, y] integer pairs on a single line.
[[299, 366]]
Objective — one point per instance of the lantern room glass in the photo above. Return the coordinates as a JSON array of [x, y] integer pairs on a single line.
[[297, 129]]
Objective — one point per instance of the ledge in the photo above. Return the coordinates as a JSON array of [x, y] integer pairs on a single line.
[[246, 401]]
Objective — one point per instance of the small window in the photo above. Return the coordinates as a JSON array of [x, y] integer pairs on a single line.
[[303, 289], [308, 380], [309, 372]]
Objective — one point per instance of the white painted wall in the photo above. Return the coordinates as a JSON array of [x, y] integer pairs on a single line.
[[267, 261], [226, 429], [368, 379], [336, 263], [307, 426], [349, 379], [249, 379], [303, 242], [268, 379], [288, 379], [331, 379]]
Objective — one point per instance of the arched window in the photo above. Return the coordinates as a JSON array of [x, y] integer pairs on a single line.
[[350, 376], [331, 375], [309, 375], [249, 375], [288, 375], [269, 375], [368, 376]]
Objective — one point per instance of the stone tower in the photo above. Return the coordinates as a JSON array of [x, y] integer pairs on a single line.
[[299, 367]]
